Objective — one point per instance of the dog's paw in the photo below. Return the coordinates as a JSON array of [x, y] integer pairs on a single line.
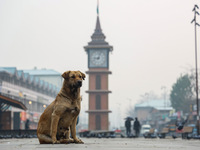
[[66, 141], [54, 141], [78, 141], [71, 140]]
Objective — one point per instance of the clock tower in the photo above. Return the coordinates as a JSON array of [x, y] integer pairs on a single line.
[[98, 64]]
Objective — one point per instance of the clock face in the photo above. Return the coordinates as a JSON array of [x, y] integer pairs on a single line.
[[98, 58]]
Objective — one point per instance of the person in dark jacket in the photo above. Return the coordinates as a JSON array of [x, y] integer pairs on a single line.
[[136, 127], [128, 127], [27, 124]]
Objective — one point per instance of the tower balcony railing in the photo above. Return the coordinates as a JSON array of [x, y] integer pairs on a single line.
[[98, 91]]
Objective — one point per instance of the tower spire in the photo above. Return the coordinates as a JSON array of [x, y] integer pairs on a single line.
[[98, 38], [97, 7], [98, 26]]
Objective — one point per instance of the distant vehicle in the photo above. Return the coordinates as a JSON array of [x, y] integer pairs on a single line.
[[145, 128]]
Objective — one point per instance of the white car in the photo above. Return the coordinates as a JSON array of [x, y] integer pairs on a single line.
[[145, 128]]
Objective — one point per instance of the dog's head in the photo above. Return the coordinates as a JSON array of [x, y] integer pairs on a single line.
[[74, 78]]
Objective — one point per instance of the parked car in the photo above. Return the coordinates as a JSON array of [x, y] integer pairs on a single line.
[[145, 128]]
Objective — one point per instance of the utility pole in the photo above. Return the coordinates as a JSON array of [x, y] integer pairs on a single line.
[[197, 99], [164, 95]]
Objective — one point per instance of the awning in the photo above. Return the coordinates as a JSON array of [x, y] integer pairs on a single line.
[[12, 102]]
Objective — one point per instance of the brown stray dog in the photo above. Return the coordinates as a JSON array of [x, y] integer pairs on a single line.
[[60, 117]]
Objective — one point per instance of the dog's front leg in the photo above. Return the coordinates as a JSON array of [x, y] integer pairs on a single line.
[[54, 123], [73, 132]]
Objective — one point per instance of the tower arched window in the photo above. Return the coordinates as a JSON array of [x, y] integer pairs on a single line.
[[98, 82], [98, 122], [98, 101]]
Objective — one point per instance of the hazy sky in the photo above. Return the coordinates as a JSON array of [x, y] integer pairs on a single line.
[[153, 42]]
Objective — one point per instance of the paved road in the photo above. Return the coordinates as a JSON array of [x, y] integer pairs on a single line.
[[103, 144]]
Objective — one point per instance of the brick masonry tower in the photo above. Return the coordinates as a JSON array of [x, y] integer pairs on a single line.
[[98, 64]]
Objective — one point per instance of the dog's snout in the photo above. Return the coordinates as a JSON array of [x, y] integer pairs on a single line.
[[79, 82]]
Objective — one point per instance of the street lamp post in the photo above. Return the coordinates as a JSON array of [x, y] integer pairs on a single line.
[[197, 100]]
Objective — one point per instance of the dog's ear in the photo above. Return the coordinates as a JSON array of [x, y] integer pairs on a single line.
[[65, 75], [83, 75]]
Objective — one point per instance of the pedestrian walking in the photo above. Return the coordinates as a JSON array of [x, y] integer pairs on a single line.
[[136, 127]]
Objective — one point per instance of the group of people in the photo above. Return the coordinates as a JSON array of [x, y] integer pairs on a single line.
[[136, 126]]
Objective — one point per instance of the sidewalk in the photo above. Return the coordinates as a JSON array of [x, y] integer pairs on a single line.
[[103, 144]]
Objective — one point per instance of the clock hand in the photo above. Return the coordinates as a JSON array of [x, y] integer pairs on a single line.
[[97, 57]]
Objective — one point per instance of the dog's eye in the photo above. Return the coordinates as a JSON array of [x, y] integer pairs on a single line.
[[73, 77], [80, 77]]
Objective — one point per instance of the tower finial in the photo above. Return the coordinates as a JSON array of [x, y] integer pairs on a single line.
[[97, 7]]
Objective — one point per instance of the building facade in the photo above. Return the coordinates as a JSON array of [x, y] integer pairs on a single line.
[[98, 64], [153, 112], [48, 75], [23, 96]]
